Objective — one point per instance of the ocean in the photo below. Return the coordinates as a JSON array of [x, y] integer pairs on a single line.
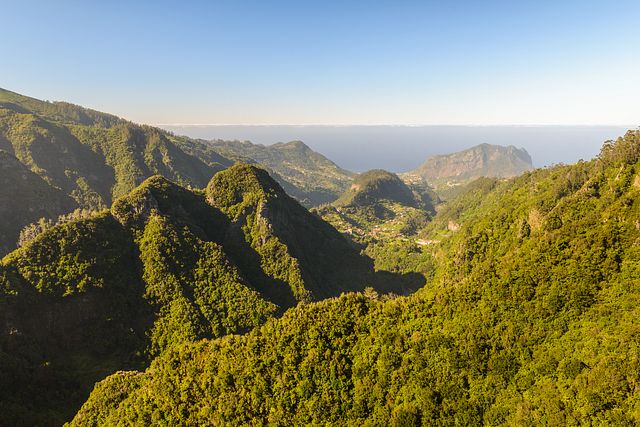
[[402, 148]]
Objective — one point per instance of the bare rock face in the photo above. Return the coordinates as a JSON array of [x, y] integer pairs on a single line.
[[482, 160]]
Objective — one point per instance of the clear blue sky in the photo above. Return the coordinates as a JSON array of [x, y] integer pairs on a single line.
[[326, 62]]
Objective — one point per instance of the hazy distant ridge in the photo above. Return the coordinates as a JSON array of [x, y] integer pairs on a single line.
[[482, 160]]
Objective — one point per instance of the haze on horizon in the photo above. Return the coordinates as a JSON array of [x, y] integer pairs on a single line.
[[403, 148], [455, 63]]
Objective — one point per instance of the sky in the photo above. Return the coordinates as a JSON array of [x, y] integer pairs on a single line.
[[403, 148], [330, 62]]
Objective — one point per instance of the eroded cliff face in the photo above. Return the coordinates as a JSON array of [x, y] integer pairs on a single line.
[[481, 160]]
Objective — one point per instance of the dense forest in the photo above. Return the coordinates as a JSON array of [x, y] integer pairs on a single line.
[[320, 213], [157, 282], [306, 175], [87, 159], [379, 207], [113, 289], [530, 318]]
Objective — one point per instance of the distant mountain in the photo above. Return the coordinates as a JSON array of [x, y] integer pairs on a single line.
[[377, 185], [530, 318], [94, 157], [25, 197], [305, 174], [164, 266], [380, 206], [482, 160], [362, 147]]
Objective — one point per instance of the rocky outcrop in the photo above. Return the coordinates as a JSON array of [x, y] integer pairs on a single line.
[[482, 160]]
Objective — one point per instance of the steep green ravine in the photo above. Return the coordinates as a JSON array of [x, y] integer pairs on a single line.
[[531, 319], [25, 197], [162, 268]]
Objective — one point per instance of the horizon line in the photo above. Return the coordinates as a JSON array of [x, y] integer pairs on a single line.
[[393, 125]]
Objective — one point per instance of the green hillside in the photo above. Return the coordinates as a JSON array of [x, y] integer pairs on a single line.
[[384, 214], [94, 157], [531, 319], [60, 112], [25, 197], [303, 173], [91, 156], [166, 265], [375, 185]]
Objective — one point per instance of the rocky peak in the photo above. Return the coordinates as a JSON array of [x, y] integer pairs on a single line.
[[482, 160]]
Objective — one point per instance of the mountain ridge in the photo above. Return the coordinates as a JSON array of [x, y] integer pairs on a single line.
[[163, 266], [305, 174], [481, 160], [531, 317], [375, 185], [95, 157]]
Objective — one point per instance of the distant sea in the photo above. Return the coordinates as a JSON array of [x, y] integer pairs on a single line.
[[402, 148]]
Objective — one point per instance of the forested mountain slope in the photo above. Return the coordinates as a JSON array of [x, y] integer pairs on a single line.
[[375, 185], [379, 206], [94, 157], [166, 265], [305, 174], [91, 157], [531, 319], [25, 197]]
